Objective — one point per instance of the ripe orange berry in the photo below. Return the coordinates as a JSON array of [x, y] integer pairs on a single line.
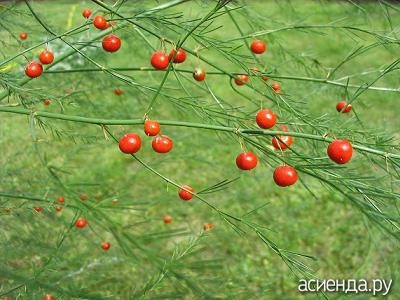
[[105, 245], [130, 143], [343, 107], [46, 57], [258, 47], [277, 87], [86, 13], [23, 35], [167, 219], [100, 22], [199, 74], [207, 226], [285, 176], [151, 128], [241, 79], [185, 195], [340, 151], [81, 223], [266, 118]]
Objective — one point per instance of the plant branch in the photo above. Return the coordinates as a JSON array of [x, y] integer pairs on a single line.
[[99, 121]]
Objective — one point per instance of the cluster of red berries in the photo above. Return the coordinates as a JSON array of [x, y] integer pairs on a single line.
[[257, 47], [35, 69], [82, 223], [160, 60], [131, 143], [60, 200], [58, 208], [111, 42], [343, 107], [283, 175], [168, 219], [340, 151]]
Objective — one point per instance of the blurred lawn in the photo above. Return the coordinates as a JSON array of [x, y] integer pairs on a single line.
[[346, 245]]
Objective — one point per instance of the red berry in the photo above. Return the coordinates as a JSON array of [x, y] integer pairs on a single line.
[[285, 176], [48, 297], [111, 24], [277, 87], [185, 195], [38, 209], [111, 43], [255, 71], [180, 56], [46, 57], [340, 107], [151, 128], [100, 22], [266, 118], [86, 13], [207, 226], [167, 219], [118, 92], [83, 197], [60, 199], [59, 208], [159, 60], [105, 245], [199, 74], [162, 144], [283, 128], [246, 161], [130, 143], [81, 223], [34, 69], [283, 142], [258, 47], [46, 102], [23, 35], [340, 151], [241, 79]]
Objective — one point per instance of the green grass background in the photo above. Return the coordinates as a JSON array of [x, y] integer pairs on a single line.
[[225, 264]]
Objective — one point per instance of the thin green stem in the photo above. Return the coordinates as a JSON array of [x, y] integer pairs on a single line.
[[100, 121], [233, 74]]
